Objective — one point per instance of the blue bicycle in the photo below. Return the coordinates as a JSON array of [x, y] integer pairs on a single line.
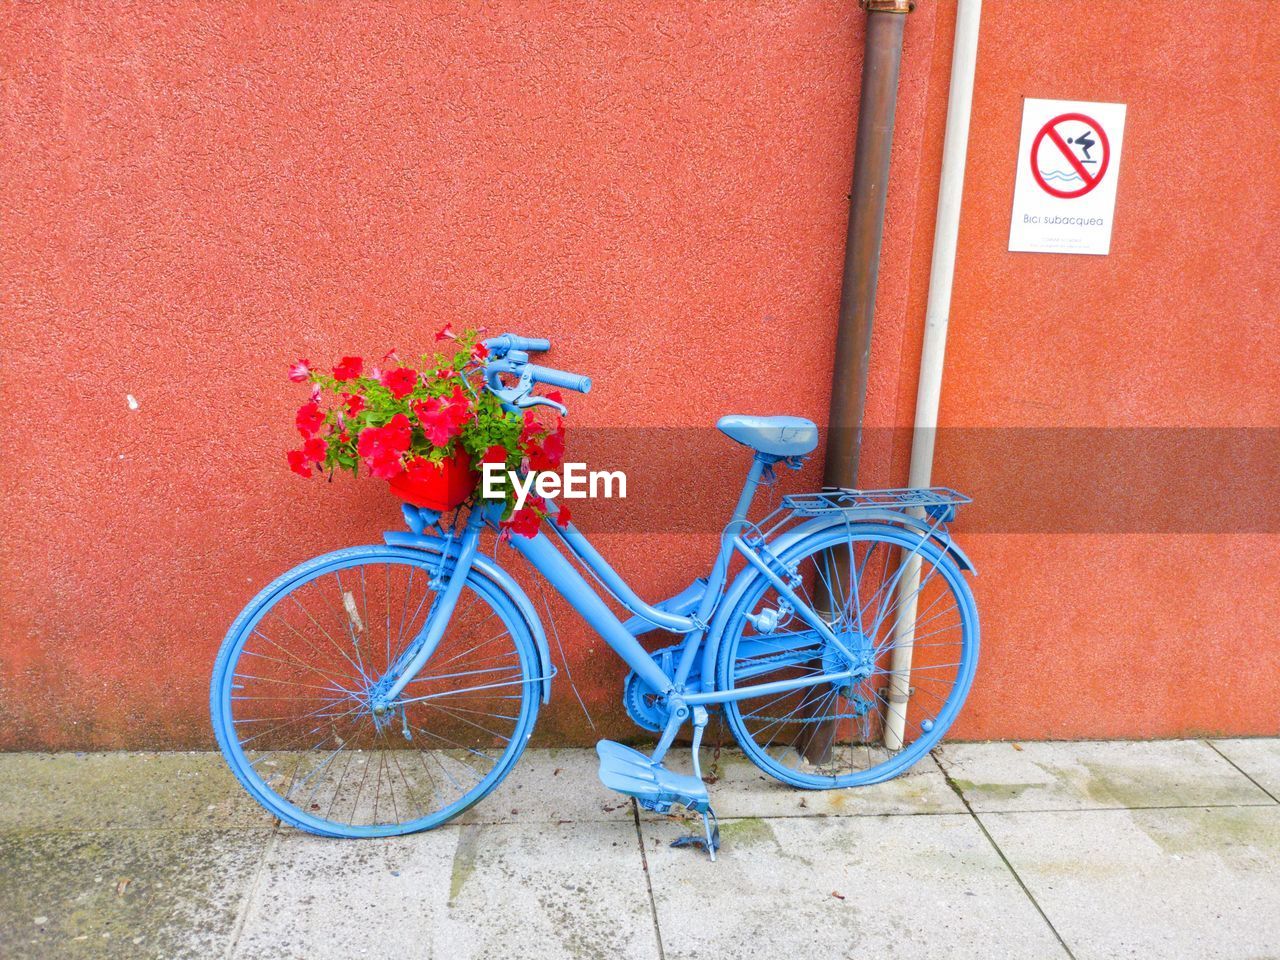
[[384, 689]]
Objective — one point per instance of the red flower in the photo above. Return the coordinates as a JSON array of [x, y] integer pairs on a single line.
[[536, 460], [315, 450], [458, 405], [348, 368], [309, 418], [523, 523], [385, 465], [446, 333], [555, 395], [530, 432], [399, 433], [382, 447], [446, 373], [298, 463], [300, 371], [386, 443], [562, 519], [479, 351], [400, 381], [549, 454], [442, 418], [354, 403], [553, 446], [495, 454], [391, 356], [439, 427]]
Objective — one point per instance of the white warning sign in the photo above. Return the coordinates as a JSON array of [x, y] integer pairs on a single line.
[[1064, 196]]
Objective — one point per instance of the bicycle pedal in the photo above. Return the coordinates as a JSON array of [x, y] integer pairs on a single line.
[[632, 773]]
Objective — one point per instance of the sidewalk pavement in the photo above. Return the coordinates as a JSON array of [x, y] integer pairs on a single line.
[[993, 850]]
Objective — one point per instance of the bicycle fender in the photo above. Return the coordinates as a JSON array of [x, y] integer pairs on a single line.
[[902, 518], [791, 538], [504, 581]]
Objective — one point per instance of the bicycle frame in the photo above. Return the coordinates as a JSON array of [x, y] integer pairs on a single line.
[[561, 574]]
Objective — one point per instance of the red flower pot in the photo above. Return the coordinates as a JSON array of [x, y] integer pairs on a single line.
[[437, 486]]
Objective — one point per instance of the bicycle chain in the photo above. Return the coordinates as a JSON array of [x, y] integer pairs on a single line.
[[823, 719]]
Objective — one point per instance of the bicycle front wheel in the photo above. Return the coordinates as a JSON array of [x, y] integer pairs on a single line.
[[291, 705], [839, 734]]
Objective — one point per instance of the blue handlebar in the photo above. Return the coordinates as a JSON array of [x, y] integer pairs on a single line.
[[559, 378], [509, 341]]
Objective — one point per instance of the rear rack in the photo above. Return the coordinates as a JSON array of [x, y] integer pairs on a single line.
[[937, 502]]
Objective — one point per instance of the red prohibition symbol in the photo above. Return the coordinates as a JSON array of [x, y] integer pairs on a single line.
[[1058, 145]]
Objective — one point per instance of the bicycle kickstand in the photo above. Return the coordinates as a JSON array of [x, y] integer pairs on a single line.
[[710, 823]]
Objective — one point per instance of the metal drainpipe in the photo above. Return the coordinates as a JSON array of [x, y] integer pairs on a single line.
[[877, 104], [882, 56]]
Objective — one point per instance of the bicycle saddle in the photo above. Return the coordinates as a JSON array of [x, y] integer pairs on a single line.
[[775, 436]]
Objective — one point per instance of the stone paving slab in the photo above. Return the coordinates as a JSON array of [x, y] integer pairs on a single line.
[[505, 890], [1076, 775], [124, 893], [742, 789], [320, 897], [139, 791], [550, 786], [1259, 758], [856, 887], [1152, 884], [554, 891]]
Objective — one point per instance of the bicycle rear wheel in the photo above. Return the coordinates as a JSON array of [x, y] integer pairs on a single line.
[[834, 734], [291, 705]]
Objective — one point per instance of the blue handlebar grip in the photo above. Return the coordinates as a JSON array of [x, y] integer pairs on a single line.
[[509, 341], [559, 378]]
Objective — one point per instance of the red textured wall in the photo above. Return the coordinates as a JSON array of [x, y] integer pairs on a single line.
[[194, 196], [1136, 633]]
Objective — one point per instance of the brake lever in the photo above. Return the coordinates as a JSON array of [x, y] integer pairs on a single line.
[[515, 366], [531, 401], [519, 395]]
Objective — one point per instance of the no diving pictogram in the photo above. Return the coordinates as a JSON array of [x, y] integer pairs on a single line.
[[1070, 155]]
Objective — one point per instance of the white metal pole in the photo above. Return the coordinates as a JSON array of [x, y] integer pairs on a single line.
[[942, 270]]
